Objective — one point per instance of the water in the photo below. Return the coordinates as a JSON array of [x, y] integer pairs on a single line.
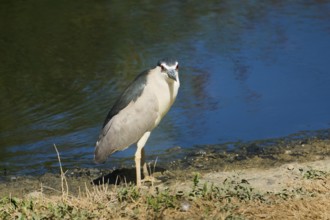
[[249, 70]]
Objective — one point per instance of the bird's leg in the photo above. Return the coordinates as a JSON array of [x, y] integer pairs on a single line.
[[144, 164], [138, 167], [140, 144], [147, 177]]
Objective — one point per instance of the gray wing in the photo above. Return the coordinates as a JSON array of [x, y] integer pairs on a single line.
[[132, 115], [132, 92]]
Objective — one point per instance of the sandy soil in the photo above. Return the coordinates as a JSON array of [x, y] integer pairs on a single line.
[[274, 179]]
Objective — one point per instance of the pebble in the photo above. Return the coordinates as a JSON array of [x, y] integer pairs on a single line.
[[185, 206], [288, 152], [290, 167]]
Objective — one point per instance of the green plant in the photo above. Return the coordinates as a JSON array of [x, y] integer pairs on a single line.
[[314, 174], [196, 180], [128, 193], [231, 188], [161, 200]]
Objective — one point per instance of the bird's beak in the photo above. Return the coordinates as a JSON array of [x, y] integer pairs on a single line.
[[172, 74]]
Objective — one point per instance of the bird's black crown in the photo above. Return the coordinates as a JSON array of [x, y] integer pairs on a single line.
[[168, 61]]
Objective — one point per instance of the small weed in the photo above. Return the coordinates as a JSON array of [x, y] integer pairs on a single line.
[[284, 194], [314, 174], [239, 189], [196, 180], [161, 200], [232, 188], [128, 193]]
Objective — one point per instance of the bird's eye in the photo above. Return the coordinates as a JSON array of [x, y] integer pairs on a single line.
[[162, 67], [177, 67]]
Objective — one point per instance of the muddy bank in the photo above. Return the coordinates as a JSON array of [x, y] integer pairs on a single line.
[[269, 165]]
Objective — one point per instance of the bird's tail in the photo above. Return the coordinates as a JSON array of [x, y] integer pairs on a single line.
[[100, 154]]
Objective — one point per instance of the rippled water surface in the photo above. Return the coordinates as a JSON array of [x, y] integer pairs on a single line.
[[249, 70]]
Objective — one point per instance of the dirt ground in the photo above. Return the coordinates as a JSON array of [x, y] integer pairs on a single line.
[[274, 179], [267, 167]]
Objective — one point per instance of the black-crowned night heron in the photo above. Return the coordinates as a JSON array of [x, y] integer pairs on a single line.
[[137, 112]]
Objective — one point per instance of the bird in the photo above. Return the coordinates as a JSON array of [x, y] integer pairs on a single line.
[[138, 111]]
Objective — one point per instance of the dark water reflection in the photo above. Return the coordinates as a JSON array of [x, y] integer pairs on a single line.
[[249, 70]]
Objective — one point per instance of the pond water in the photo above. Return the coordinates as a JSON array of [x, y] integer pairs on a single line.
[[249, 70]]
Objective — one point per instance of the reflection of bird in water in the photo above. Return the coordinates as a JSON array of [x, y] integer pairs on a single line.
[[137, 112]]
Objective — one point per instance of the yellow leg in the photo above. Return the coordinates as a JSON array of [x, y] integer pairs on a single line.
[[144, 164], [138, 155], [147, 177]]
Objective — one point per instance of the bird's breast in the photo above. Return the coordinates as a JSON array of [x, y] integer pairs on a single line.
[[165, 94]]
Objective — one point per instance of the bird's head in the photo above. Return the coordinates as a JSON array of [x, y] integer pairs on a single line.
[[170, 67]]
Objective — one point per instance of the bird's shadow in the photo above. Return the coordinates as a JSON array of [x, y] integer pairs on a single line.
[[124, 175]]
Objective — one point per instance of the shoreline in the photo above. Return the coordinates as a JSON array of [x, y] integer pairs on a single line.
[[203, 160], [289, 180]]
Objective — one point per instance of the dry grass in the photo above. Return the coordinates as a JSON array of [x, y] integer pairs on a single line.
[[234, 198], [299, 208]]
